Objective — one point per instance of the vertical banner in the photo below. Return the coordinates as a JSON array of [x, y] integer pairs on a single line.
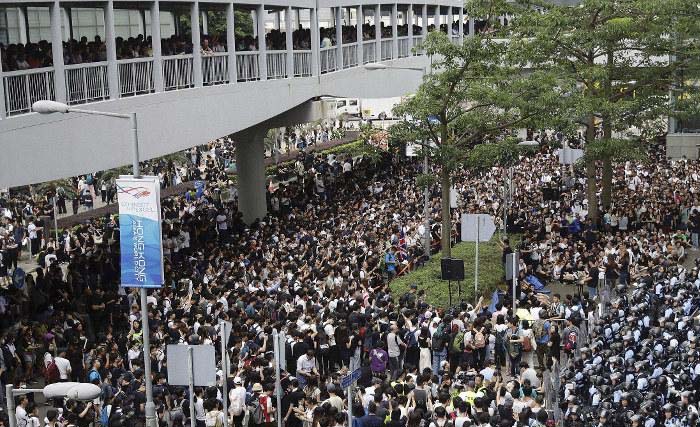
[[141, 243]]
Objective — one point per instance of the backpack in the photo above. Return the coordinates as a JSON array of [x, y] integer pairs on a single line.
[[211, 419], [571, 341], [410, 339], [479, 339], [177, 412], [51, 373], [236, 407], [458, 342], [501, 341], [438, 341], [527, 345], [257, 415], [538, 329]]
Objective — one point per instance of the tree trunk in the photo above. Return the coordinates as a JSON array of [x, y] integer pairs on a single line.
[[446, 235], [591, 185], [606, 193]]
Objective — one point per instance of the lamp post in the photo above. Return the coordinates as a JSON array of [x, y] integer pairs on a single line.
[[49, 107], [426, 191], [72, 390]]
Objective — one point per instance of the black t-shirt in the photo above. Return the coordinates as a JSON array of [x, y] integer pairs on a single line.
[[593, 273]]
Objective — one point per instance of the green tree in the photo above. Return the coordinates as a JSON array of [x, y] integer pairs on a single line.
[[471, 96], [622, 57]]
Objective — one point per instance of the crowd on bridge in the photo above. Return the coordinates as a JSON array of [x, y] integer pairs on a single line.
[[618, 348]]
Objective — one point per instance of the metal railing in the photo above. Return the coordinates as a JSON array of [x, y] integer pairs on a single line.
[[328, 59], [215, 68], [350, 55], [276, 64], [417, 40], [86, 82], [404, 51], [177, 72], [368, 49], [135, 76], [302, 63], [247, 66], [387, 49], [23, 88]]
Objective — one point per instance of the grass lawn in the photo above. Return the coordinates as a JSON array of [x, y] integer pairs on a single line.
[[436, 290]]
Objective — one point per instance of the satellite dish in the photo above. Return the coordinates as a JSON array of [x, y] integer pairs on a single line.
[[58, 389], [84, 391]]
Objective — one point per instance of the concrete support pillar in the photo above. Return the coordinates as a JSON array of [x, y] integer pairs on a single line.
[[339, 37], [395, 30], [231, 43], [378, 32], [359, 19], [424, 18], [23, 23], [254, 18], [472, 27], [59, 68], [250, 165], [196, 45], [288, 30], [66, 24], [409, 21], [277, 20], [142, 22], [69, 15], [298, 20], [315, 44], [450, 21], [262, 43], [111, 45], [205, 22], [158, 82], [461, 25]]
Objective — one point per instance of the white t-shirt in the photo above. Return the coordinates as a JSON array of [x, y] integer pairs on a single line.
[[64, 367]]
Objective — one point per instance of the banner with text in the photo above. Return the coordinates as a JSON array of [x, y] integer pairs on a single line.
[[140, 232]]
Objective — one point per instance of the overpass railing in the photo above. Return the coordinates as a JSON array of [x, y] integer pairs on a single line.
[[387, 50], [215, 69], [349, 55], [177, 72], [417, 40], [248, 66], [328, 59], [276, 64], [86, 82], [135, 76], [404, 50], [369, 51], [302, 63], [23, 88]]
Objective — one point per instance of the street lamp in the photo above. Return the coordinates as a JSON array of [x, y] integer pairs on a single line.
[[71, 390], [372, 66], [49, 107]]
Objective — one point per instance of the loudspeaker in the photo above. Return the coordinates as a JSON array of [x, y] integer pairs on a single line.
[[452, 269]]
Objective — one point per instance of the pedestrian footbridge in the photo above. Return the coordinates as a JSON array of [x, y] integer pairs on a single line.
[[187, 96]]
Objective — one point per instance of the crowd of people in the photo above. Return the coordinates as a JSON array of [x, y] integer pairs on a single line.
[[618, 348], [23, 56]]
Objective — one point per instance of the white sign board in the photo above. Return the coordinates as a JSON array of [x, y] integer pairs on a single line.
[[203, 365], [480, 225]]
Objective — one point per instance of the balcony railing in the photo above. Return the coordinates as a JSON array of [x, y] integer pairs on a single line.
[[302, 63], [276, 64], [368, 51], [215, 68], [23, 88], [404, 51], [387, 50], [350, 55], [135, 76], [247, 66], [177, 72], [328, 59], [86, 82]]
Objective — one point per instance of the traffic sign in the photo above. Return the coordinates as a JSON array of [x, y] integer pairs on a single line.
[[347, 380], [477, 226], [510, 263]]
